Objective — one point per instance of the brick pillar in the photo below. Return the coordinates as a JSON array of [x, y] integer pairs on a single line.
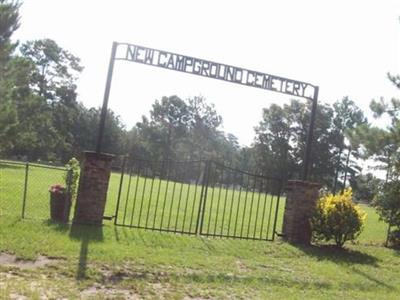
[[92, 191], [301, 198]]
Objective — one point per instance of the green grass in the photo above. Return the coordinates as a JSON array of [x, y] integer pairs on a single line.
[[155, 265], [114, 261]]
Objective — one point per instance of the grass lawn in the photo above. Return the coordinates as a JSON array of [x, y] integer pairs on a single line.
[[122, 263], [115, 261]]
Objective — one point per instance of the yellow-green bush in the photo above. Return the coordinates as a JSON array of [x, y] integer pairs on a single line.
[[337, 218]]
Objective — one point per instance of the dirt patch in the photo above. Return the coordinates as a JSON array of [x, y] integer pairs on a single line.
[[241, 266], [10, 260], [108, 293]]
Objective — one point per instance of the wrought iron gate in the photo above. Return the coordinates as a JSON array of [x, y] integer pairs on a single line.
[[198, 197]]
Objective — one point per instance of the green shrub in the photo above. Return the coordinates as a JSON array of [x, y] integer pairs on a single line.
[[337, 218]]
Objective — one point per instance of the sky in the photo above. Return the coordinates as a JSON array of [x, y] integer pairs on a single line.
[[344, 47]]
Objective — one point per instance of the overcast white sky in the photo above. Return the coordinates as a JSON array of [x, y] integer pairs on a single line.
[[344, 47]]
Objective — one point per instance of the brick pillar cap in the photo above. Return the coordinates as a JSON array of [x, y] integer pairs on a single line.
[[102, 156]]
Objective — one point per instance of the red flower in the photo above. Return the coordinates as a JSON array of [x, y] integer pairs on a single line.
[[57, 188]]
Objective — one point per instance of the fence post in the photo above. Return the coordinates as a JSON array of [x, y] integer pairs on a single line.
[[120, 189], [25, 189], [203, 197], [276, 211], [69, 182]]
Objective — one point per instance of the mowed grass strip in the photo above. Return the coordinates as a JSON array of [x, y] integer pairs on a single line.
[[155, 265]]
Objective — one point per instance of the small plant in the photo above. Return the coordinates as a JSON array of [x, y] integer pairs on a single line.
[[337, 218], [72, 176]]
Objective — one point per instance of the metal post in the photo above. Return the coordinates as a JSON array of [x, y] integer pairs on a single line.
[[203, 198], [105, 99], [120, 190], [276, 212], [25, 189], [310, 134]]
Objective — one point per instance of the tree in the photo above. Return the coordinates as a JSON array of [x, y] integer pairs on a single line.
[[9, 23], [347, 116], [387, 204], [274, 137], [204, 133], [184, 130], [365, 187], [281, 140], [56, 70]]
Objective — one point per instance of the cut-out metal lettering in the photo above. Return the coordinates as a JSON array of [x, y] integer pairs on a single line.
[[206, 68], [210, 69]]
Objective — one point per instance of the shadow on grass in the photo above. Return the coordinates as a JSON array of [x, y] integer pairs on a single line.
[[372, 279], [60, 227], [337, 255], [86, 234]]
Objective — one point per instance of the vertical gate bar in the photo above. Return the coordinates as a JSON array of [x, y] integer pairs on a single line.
[[202, 206], [150, 198], [186, 205], [194, 198], [172, 198], [258, 208], [232, 201], [120, 190], [223, 214], [218, 202], [25, 189], [276, 211], [269, 214], [245, 204], [136, 189], [251, 206], [158, 199], [128, 191], [203, 186], [143, 194], [179, 201], [166, 193], [211, 205], [238, 206], [263, 214]]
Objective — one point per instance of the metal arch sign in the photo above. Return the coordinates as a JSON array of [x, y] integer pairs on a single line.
[[210, 69]]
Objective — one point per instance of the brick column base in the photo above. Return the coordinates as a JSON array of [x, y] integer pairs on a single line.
[[301, 198], [92, 191]]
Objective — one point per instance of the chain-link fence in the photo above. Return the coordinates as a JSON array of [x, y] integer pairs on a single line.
[[24, 188]]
